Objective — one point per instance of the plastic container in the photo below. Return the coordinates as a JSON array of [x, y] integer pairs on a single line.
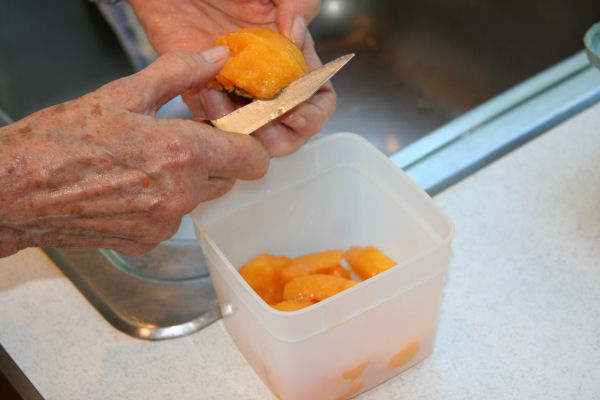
[[335, 192]]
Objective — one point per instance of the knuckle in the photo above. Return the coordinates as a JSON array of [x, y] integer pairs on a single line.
[[176, 202]]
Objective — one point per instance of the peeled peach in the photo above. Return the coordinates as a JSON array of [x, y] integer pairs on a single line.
[[292, 284], [336, 270], [261, 62], [367, 261], [354, 389], [314, 287], [355, 372], [263, 274], [349, 283], [405, 354], [325, 262], [292, 305]]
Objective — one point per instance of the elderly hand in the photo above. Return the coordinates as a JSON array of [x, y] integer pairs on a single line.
[[101, 171], [193, 25]]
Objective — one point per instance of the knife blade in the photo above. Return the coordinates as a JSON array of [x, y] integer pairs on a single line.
[[252, 116]]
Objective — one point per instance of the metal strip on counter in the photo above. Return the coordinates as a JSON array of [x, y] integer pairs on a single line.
[[501, 124]]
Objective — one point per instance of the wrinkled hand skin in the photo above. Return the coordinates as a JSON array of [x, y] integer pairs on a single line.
[[102, 171], [193, 25]]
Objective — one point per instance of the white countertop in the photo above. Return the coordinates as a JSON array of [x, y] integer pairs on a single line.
[[520, 317]]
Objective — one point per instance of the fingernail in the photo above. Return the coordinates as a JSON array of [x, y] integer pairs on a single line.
[[298, 31], [215, 54]]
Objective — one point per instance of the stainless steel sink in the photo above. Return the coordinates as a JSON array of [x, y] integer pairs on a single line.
[[443, 88], [420, 64]]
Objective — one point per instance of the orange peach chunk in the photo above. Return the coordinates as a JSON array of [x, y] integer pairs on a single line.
[[368, 261], [404, 355], [336, 270], [314, 287], [354, 389], [356, 372], [292, 305], [349, 283], [324, 262], [263, 274]]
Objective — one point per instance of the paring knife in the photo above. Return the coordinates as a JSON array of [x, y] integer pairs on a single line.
[[249, 118]]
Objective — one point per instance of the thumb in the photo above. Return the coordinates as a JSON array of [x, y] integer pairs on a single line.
[[170, 75]]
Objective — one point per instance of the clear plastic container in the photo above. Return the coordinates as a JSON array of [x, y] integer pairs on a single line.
[[335, 192]]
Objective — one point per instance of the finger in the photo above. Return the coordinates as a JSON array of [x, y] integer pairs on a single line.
[[11, 241], [278, 139], [310, 52], [144, 227], [191, 98], [125, 246], [293, 17], [130, 249], [310, 117], [215, 188], [170, 75], [208, 103], [182, 198], [221, 154], [234, 156]]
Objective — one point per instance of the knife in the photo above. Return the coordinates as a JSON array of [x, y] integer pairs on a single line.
[[249, 118]]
